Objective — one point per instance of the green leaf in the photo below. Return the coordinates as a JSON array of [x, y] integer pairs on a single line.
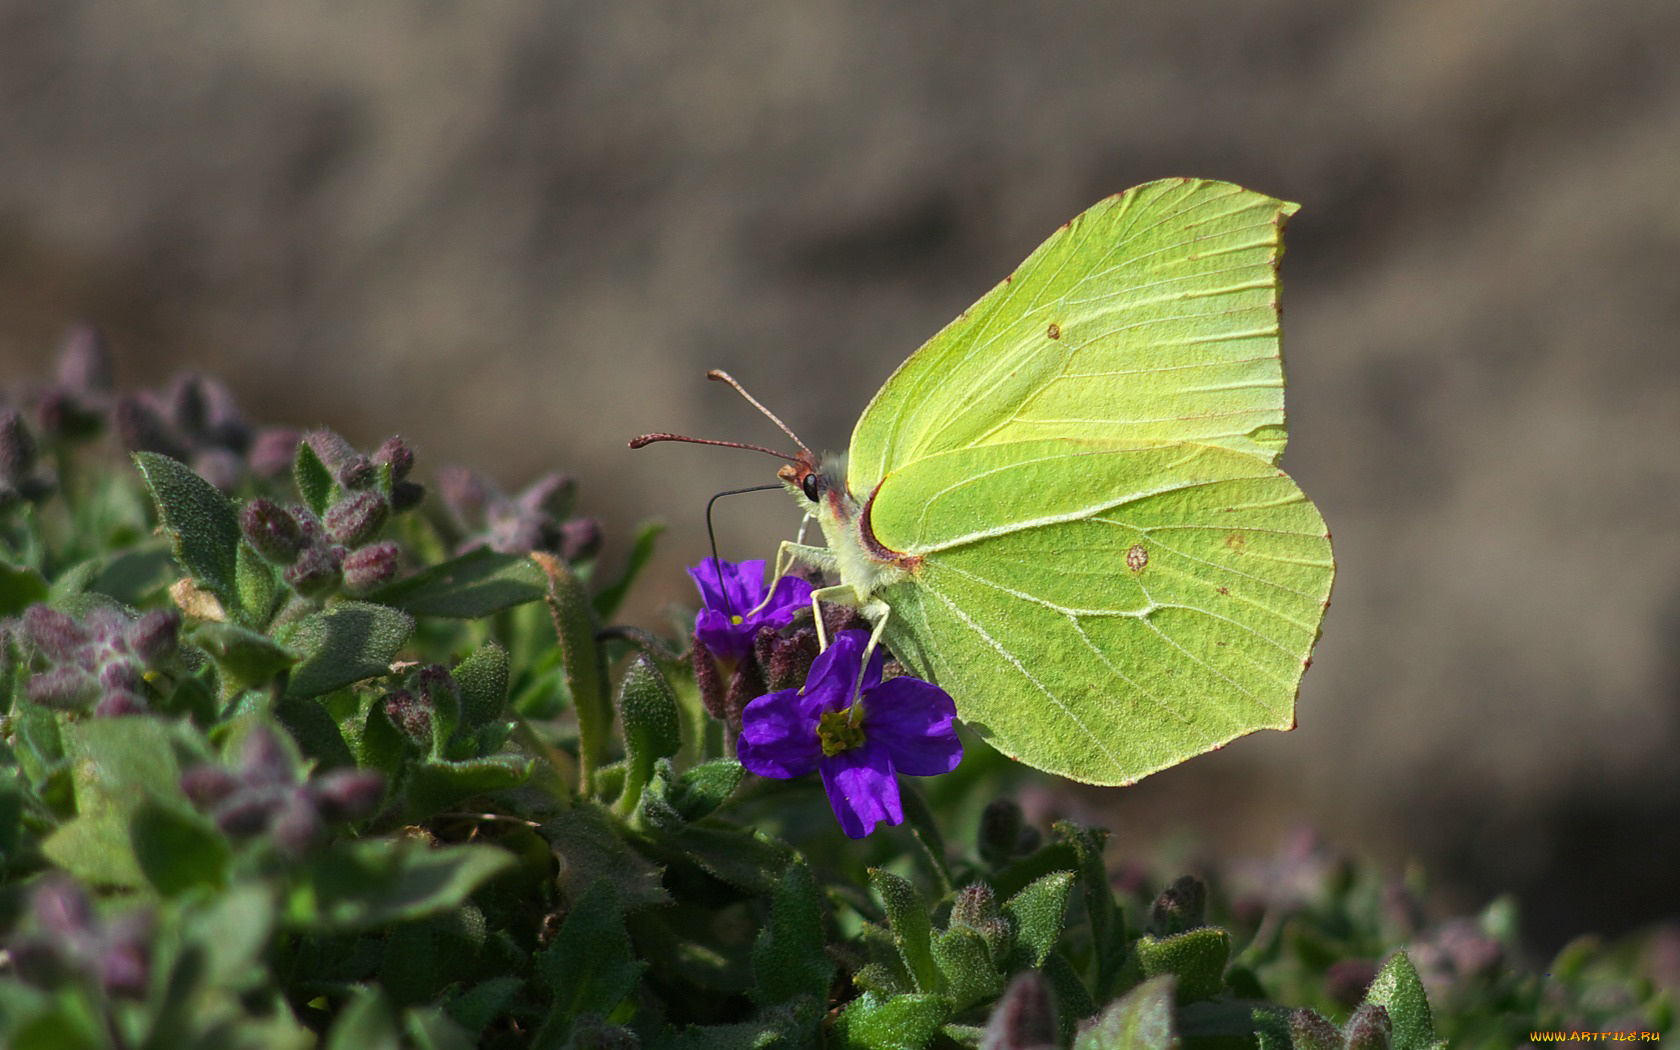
[[434, 785], [475, 1008], [1140, 1020], [178, 851], [574, 624], [19, 589], [1398, 988], [470, 587], [612, 596], [1073, 999], [588, 844], [117, 764], [703, 788], [314, 480], [647, 709], [248, 657], [232, 932], [912, 931], [258, 583], [201, 524], [1108, 931], [790, 957], [366, 884], [367, 1021], [965, 964], [483, 678], [133, 575], [903, 1022], [317, 735], [1038, 912], [343, 644], [590, 967], [745, 858], [1196, 957]]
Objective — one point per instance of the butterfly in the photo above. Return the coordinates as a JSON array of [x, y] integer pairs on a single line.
[[1065, 508]]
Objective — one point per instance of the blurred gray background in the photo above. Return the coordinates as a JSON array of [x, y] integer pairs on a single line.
[[519, 233]]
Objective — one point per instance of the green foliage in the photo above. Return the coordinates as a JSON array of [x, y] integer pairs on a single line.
[[324, 767]]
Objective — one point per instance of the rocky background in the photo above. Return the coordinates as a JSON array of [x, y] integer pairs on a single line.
[[520, 232]]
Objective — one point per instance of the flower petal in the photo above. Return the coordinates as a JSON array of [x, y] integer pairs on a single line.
[[731, 588], [862, 789], [913, 720], [834, 674], [777, 738], [789, 595]]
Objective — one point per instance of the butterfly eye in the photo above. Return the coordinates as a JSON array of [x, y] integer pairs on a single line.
[[811, 484]]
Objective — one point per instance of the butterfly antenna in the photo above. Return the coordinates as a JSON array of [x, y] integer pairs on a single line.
[[717, 563], [724, 377]]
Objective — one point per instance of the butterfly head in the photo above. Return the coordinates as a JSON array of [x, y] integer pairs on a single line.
[[818, 482]]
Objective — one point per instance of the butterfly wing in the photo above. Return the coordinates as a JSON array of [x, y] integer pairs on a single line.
[[1152, 316], [1103, 611]]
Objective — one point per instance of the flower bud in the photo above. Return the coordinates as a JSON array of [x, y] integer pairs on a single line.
[[315, 572], [120, 676], [552, 494], [580, 538], [62, 907], [84, 361], [348, 794], [57, 635], [1368, 1029], [246, 813], [357, 472], [1024, 1017], [154, 636], [18, 451], [207, 785], [708, 678], [1311, 1031], [62, 688], [1180, 907], [220, 467], [119, 702], [1000, 830], [263, 759], [143, 428], [395, 454], [274, 451], [297, 827], [410, 715], [329, 448], [271, 531], [356, 519], [124, 968], [368, 567], [787, 658]]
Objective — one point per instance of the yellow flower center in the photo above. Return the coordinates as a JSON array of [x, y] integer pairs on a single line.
[[837, 732]]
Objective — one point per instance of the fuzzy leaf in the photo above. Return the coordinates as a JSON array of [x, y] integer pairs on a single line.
[[704, 787], [258, 583], [912, 931], [1398, 988], [248, 657], [790, 957], [366, 1022], [1073, 999], [317, 735], [1108, 932], [20, 588], [343, 644], [475, 1008], [201, 524], [472, 586], [904, 1022], [588, 843], [483, 678], [574, 625], [365, 884], [647, 708], [1196, 957], [177, 851], [314, 481], [435, 785], [746, 859], [965, 965], [591, 966], [1141, 1020], [117, 764], [1038, 911]]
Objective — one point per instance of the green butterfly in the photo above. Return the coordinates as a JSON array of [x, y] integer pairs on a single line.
[[1065, 507]]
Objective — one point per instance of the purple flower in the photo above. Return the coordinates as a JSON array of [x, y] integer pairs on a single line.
[[733, 592], [902, 725]]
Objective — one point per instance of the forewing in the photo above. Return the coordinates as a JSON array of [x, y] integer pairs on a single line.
[[1152, 316], [1103, 613]]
